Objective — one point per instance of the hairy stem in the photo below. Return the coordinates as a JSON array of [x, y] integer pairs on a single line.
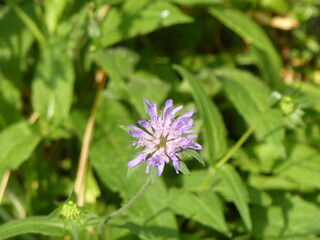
[[128, 204], [83, 161]]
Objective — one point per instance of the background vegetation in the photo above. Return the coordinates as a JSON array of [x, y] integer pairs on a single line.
[[72, 70]]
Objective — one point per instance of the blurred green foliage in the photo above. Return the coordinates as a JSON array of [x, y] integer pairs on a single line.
[[244, 65]]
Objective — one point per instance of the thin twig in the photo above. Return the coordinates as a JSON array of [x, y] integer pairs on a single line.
[[83, 161]]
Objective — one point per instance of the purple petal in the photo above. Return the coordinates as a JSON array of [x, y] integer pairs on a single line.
[[139, 159], [160, 168], [176, 165], [191, 136], [152, 109], [175, 110], [188, 114], [146, 125], [167, 108], [194, 145]]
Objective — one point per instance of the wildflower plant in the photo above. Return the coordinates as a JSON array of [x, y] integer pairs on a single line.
[[163, 137], [70, 73]]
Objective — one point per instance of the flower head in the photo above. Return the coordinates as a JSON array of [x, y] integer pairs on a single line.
[[163, 137]]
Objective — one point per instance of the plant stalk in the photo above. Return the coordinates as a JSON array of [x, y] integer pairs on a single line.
[[241, 141], [83, 161]]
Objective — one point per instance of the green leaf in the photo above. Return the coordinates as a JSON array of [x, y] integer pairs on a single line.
[[252, 33], [205, 208], [309, 93], [38, 225], [74, 229], [196, 155], [146, 85], [237, 191], [15, 43], [109, 155], [302, 165], [265, 156], [264, 182], [251, 98], [196, 2], [280, 6], [10, 103], [258, 197], [52, 86], [291, 217], [201, 180], [135, 18], [118, 63], [29, 22], [184, 169], [53, 11], [214, 129], [17, 143]]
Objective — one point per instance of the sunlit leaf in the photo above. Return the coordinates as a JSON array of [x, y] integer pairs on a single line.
[[292, 217], [17, 143], [52, 86], [251, 98], [252, 33], [214, 129], [302, 165], [139, 17], [39, 225], [205, 208]]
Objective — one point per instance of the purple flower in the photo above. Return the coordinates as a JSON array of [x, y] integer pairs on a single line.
[[163, 137]]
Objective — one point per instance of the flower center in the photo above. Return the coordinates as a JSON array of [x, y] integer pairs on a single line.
[[163, 142]]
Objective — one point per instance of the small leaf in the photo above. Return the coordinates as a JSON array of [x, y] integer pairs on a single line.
[[196, 155], [237, 191], [183, 168]]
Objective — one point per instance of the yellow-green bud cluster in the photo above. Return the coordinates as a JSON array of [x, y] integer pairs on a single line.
[[287, 105], [70, 210]]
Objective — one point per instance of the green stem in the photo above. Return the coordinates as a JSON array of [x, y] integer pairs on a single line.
[[127, 205], [239, 143], [234, 149]]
